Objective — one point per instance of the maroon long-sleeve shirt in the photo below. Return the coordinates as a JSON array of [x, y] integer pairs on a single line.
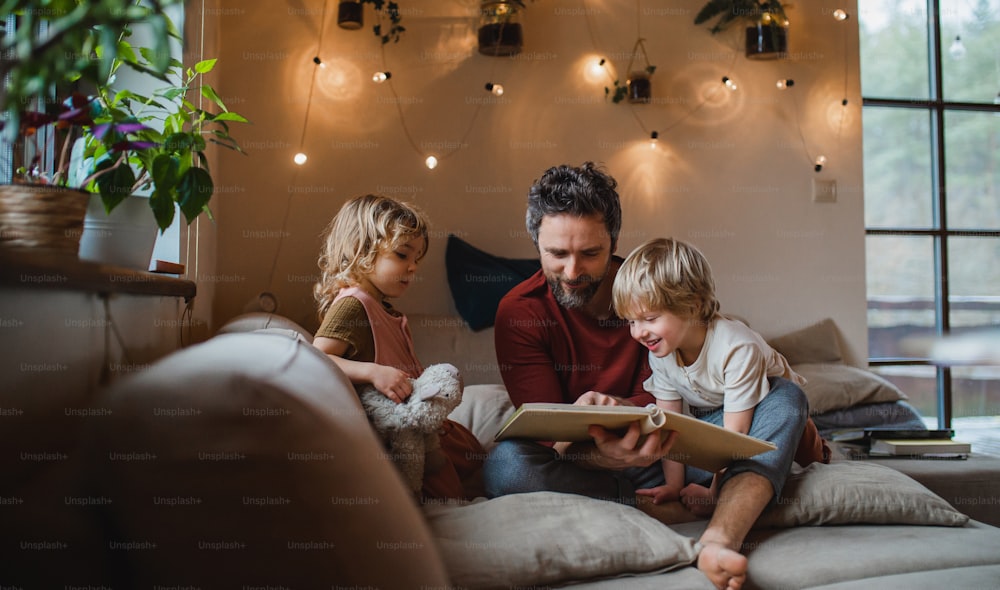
[[548, 353]]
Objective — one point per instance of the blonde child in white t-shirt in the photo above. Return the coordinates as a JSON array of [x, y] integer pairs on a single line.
[[721, 369]]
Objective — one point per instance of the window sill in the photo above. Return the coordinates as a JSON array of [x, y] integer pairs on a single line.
[[45, 270]]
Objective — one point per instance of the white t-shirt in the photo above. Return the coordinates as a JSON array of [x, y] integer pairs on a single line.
[[731, 372]]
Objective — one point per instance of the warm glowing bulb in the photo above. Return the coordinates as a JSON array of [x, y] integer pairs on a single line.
[[431, 162], [821, 160], [380, 77], [653, 139], [782, 84], [729, 82], [300, 158], [840, 14], [496, 89], [597, 67]]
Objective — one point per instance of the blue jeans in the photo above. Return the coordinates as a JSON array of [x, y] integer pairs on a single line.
[[518, 466]]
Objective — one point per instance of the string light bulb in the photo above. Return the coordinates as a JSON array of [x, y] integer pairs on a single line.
[[729, 83], [379, 77], [840, 14], [597, 67], [496, 89], [820, 161], [319, 62], [782, 84], [300, 158], [431, 162], [653, 139]]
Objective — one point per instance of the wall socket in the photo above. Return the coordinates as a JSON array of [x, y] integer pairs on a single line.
[[824, 191]]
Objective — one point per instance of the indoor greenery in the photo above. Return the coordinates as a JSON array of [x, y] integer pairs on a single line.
[[113, 141], [726, 12], [383, 8]]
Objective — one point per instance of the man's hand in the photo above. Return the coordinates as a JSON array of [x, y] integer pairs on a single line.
[[596, 398], [630, 450]]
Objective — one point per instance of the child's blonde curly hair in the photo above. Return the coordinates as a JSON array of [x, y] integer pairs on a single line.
[[665, 274], [364, 227]]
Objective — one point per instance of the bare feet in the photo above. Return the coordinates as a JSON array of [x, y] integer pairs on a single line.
[[698, 499], [667, 512], [725, 568]]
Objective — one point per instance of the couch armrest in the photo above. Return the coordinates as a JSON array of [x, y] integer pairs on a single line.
[[247, 459]]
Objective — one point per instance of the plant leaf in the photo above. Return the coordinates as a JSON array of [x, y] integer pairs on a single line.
[[193, 192], [165, 172], [205, 66], [230, 116], [115, 184], [163, 209]]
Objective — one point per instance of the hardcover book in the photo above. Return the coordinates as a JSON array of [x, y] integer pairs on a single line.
[[700, 444], [925, 446]]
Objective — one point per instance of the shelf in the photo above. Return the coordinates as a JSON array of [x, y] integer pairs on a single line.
[[44, 270]]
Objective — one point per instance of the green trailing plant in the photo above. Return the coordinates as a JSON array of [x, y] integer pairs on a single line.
[[621, 90], [389, 10], [727, 12], [117, 142]]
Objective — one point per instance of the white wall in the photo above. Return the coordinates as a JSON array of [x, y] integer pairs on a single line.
[[733, 172]]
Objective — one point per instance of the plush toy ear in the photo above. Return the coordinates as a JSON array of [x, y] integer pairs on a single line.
[[429, 392]]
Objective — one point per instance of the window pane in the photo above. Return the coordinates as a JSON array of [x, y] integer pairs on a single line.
[[969, 31], [900, 275], [974, 281], [894, 46], [897, 171], [919, 383], [972, 168], [976, 392]]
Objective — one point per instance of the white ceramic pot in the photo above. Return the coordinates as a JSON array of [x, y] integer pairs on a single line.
[[125, 238]]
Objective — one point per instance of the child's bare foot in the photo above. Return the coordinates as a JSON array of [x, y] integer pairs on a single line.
[[667, 512], [725, 568], [698, 499]]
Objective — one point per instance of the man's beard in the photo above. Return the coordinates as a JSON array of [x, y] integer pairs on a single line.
[[575, 298]]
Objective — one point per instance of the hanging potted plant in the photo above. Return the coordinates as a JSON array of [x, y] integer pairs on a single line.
[[351, 16], [765, 20], [108, 144], [638, 87], [499, 30]]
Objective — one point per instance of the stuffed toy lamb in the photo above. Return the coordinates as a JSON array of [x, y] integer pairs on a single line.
[[410, 429]]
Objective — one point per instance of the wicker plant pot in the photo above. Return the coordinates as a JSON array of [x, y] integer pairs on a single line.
[[41, 217]]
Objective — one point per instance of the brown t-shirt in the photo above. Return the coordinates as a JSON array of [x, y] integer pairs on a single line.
[[346, 320]]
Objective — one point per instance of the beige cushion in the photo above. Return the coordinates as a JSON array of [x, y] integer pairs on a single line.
[[483, 410], [544, 538], [813, 344], [853, 492], [248, 460], [832, 386]]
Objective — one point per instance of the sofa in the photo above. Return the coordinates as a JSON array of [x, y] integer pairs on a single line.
[[246, 461]]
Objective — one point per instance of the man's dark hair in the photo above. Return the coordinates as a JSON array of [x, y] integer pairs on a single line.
[[580, 191]]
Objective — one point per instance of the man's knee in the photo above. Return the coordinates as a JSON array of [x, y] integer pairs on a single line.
[[507, 465]]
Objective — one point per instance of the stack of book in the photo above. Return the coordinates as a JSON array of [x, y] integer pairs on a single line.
[[886, 442]]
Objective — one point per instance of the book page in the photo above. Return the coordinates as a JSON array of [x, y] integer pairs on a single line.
[[699, 443]]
